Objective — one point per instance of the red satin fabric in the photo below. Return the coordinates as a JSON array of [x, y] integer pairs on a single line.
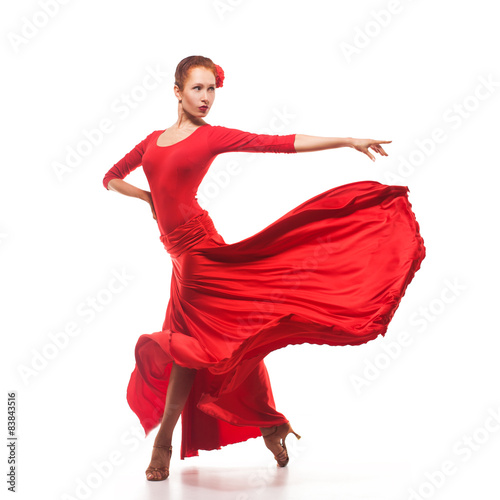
[[330, 271]]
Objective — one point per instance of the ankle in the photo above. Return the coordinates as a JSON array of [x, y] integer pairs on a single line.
[[163, 440], [267, 431], [272, 428]]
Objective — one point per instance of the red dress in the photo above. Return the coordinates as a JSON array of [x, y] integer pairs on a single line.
[[330, 271]]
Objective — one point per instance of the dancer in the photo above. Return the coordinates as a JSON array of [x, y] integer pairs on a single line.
[[330, 271]]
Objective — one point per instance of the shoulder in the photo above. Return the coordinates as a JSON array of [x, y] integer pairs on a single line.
[[145, 142], [222, 131], [214, 132], [150, 136], [145, 139], [219, 132], [217, 128]]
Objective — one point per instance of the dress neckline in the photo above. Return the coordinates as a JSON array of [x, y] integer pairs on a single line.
[[175, 143]]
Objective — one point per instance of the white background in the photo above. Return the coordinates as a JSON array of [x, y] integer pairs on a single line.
[[415, 71]]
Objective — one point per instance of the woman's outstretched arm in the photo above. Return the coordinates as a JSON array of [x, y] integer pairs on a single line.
[[305, 143]]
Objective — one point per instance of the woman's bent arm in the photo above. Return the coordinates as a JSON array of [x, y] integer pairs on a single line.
[[122, 187]]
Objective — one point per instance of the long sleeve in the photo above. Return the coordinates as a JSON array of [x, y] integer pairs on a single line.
[[128, 163], [224, 140]]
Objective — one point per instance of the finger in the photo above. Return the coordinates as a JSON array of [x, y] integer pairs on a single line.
[[377, 149]]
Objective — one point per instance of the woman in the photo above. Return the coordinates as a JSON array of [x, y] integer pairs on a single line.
[[331, 271]]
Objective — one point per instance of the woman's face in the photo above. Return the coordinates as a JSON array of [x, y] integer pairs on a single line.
[[199, 92]]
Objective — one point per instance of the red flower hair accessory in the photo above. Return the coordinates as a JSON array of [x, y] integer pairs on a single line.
[[219, 79]]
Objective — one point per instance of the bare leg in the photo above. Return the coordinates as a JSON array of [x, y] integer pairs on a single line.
[[179, 386]]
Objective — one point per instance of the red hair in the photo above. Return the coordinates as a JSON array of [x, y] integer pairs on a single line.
[[183, 68]]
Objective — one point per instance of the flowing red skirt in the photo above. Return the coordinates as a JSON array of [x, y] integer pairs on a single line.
[[331, 271]]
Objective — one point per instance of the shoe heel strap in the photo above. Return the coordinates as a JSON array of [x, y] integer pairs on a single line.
[[162, 446]]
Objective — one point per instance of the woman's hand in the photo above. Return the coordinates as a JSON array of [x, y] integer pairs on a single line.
[[149, 199], [363, 146], [122, 187]]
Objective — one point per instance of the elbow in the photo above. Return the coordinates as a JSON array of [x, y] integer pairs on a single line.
[[107, 182]]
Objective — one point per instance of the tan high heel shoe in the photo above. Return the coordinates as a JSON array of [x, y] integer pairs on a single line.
[[277, 435], [164, 471]]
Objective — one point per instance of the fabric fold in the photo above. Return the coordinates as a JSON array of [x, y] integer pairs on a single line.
[[330, 271]]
